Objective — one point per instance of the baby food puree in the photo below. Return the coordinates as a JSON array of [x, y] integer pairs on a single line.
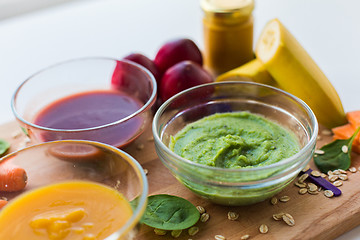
[[234, 140], [69, 210], [91, 109]]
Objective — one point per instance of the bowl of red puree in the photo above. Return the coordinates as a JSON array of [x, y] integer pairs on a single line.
[[97, 99], [235, 143]]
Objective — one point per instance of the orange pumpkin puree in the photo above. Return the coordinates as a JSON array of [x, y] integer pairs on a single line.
[[70, 210]]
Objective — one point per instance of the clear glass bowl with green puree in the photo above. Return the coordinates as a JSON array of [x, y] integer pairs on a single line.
[[226, 184]]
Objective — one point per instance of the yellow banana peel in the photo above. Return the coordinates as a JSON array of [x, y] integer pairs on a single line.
[[296, 72], [253, 71]]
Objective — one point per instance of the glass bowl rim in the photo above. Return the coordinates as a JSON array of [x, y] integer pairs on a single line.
[[291, 159], [144, 108], [139, 210]]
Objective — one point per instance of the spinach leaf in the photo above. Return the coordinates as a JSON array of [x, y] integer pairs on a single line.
[[4, 146], [25, 131], [134, 203], [169, 212], [334, 157]]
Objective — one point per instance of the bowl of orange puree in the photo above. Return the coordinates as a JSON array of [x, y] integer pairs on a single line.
[[71, 189]]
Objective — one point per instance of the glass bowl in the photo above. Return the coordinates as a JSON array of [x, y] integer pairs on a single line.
[[235, 186], [75, 160], [87, 75]]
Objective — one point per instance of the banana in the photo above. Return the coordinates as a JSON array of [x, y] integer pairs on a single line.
[[253, 71], [296, 72]]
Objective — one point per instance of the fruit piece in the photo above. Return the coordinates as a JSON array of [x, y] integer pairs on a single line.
[[127, 78], [344, 131], [353, 118], [296, 72], [347, 130], [176, 51], [118, 78], [355, 146], [181, 76], [145, 62], [253, 71]]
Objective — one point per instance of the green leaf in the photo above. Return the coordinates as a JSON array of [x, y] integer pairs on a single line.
[[134, 203], [333, 157], [4, 146], [169, 212], [24, 131]]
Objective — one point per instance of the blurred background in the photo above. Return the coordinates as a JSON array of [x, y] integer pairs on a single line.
[[10, 8]]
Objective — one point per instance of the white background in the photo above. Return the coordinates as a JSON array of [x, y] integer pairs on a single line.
[[328, 29], [9, 8]]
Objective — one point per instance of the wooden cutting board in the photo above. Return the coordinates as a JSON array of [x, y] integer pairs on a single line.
[[316, 216]]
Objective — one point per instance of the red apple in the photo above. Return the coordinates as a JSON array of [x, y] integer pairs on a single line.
[[181, 76], [176, 51]]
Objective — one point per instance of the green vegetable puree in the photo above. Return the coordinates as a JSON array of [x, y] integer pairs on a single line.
[[234, 140]]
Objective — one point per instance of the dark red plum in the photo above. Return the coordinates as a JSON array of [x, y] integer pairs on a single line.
[[181, 76], [145, 62], [176, 51]]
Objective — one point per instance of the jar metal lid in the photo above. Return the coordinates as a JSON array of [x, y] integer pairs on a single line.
[[228, 7]]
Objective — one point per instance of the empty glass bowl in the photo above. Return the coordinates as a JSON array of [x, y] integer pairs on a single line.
[[235, 186]]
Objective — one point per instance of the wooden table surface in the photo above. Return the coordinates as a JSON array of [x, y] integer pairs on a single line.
[[316, 216]]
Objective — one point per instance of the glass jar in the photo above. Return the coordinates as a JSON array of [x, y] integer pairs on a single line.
[[228, 34]]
